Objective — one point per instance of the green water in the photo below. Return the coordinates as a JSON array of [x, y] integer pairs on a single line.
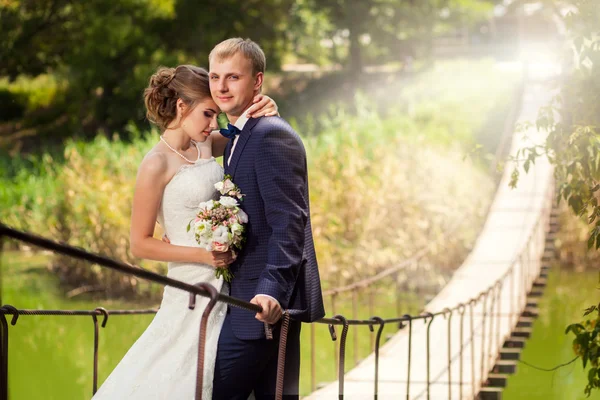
[[568, 293], [50, 357]]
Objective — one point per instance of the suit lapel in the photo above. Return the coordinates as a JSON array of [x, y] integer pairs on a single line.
[[241, 143]]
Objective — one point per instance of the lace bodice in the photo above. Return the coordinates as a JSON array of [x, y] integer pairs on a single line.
[[191, 185]]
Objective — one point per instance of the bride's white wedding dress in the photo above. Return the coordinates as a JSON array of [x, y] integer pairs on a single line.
[[162, 362]]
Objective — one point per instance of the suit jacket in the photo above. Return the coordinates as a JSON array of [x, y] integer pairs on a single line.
[[278, 258]]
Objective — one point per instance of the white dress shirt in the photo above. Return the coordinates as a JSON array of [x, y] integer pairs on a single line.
[[240, 123]]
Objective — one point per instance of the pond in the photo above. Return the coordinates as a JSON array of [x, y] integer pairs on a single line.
[[568, 293]]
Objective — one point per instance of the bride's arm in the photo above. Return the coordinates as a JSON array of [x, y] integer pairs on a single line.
[[263, 106], [150, 184]]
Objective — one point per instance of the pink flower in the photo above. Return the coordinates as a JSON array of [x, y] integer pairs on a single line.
[[220, 246]]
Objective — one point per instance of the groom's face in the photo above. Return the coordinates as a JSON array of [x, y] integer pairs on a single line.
[[233, 85]]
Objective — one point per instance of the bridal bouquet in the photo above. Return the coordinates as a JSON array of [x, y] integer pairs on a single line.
[[219, 225]]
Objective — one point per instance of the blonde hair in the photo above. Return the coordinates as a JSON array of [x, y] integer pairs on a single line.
[[186, 82], [249, 49]]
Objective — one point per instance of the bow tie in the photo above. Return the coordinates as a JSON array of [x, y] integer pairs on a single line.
[[231, 131], [226, 129]]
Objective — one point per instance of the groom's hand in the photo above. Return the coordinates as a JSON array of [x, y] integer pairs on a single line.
[[271, 310]]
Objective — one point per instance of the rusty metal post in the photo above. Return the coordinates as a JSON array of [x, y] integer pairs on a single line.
[[371, 312], [4, 347], [448, 314], [431, 316], [491, 332], [483, 321], [214, 294], [409, 319], [377, 343], [102, 311], [472, 326], [461, 311], [285, 324], [341, 366], [336, 359]]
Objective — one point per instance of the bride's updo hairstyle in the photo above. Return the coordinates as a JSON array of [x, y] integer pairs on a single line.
[[186, 82]]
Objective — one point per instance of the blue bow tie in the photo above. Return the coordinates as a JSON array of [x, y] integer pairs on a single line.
[[231, 131]]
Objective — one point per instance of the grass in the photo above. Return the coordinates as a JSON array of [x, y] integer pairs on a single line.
[[56, 352]]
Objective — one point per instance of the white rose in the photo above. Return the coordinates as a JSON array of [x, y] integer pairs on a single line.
[[221, 234], [206, 243], [228, 186], [236, 228], [228, 202], [242, 216], [219, 186], [206, 205], [202, 226]]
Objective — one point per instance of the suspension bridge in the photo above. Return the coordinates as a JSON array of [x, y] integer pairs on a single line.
[[462, 346]]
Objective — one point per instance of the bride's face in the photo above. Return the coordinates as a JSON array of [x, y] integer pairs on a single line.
[[201, 121]]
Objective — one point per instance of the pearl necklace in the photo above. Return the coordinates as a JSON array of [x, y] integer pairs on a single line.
[[181, 155]]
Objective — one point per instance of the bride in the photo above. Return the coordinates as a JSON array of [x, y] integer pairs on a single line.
[[174, 177]]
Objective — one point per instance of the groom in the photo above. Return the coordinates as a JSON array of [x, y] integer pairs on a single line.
[[277, 268]]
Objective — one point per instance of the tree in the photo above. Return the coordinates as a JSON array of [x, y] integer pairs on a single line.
[[390, 29], [105, 50], [572, 121]]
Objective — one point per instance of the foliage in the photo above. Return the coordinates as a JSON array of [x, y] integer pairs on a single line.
[[372, 203], [445, 100], [105, 50], [572, 121], [384, 30], [571, 241], [85, 200], [587, 346], [102, 52]]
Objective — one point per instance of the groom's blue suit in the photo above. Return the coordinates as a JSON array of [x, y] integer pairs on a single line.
[[278, 258]]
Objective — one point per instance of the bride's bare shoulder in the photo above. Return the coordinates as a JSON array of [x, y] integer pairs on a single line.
[[155, 163]]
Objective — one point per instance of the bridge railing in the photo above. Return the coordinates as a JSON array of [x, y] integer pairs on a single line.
[[511, 288], [464, 332]]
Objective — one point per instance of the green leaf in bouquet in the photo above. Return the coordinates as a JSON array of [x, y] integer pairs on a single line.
[[189, 226], [225, 273]]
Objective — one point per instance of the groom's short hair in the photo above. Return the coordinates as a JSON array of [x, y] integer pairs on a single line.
[[249, 49]]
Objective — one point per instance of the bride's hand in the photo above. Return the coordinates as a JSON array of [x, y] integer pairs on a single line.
[[263, 106], [219, 259]]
